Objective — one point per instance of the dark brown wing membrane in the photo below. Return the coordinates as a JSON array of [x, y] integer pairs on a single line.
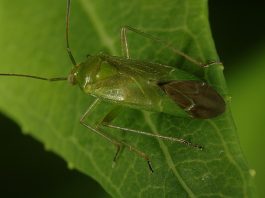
[[197, 98]]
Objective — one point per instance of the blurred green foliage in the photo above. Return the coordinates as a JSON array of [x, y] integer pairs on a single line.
[[248, 92]]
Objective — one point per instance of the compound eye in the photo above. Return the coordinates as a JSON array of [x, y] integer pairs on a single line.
[[72, 79]]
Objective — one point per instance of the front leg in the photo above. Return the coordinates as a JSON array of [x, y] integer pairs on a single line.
[[95, 129], [115, 142]]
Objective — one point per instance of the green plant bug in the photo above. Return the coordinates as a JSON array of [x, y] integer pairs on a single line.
[[141, 85]]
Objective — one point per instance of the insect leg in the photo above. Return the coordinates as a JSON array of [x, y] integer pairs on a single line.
[[67, 33], [117, 143], [124, 43], [172, 139], [109, 117], [95, 130], [164, 43]]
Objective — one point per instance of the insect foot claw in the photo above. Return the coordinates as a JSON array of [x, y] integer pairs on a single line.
[[197, 146], [118, 146], [150, 166], [200, 147]]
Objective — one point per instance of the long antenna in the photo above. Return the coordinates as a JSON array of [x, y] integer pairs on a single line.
[[67, 33], [68, 50], [35, 77]]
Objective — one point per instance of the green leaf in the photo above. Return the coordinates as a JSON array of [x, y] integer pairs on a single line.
[[32, 42]]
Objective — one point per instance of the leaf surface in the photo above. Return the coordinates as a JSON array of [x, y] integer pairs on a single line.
[[32, 42]]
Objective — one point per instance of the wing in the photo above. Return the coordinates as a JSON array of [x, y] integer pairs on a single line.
[[148, 70], [195, 97]]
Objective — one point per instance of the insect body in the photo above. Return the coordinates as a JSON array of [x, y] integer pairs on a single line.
[[140, 85], [149, 86]]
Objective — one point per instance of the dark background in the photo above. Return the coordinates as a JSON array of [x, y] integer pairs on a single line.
[[238, 27]]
